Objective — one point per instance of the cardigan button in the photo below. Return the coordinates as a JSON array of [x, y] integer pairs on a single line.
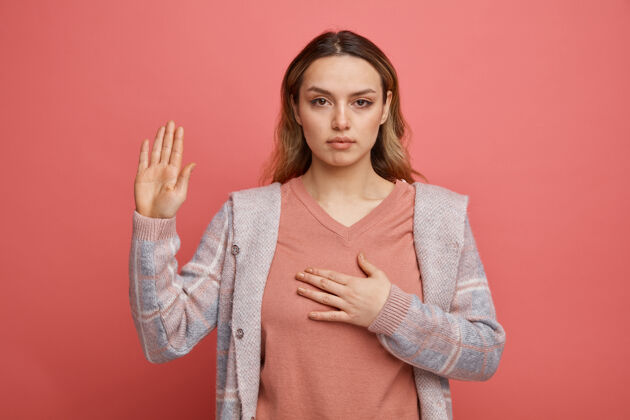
[[239, 333], [235, 249]]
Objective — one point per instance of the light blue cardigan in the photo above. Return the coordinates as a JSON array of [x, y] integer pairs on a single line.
[[453, 334]]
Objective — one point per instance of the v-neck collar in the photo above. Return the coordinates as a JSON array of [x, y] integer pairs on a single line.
[[346, 232]]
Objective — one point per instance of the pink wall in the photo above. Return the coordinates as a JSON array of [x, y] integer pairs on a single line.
[[522, 105]]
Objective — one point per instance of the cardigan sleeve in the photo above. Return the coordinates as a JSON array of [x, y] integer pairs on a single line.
[[465, 343], [172, 312]]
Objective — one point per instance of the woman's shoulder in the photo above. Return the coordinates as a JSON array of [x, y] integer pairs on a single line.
[[260, 190], [432, 197], [261, 196], [437, 191]]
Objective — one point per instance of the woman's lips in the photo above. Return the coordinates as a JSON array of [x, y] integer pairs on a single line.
[[340, 145], [340, 142]]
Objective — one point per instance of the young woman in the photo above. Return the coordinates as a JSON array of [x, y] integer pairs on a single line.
[[343, 288]]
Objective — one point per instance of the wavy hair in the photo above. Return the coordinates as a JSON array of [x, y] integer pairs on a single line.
[[291, 155]]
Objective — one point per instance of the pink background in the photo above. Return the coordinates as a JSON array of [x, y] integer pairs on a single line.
[[522, 105]]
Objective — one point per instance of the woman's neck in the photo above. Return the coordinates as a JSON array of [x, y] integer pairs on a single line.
[[343, 184]]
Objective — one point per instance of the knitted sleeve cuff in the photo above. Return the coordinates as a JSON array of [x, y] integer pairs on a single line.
[[151, 228], [393, 312]]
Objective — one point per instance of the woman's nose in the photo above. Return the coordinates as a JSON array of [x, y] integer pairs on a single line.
[[340, 120]]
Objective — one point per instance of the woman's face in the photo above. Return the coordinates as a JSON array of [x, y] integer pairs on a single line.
[[341, 97]]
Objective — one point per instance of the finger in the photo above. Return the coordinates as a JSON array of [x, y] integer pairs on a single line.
[[167, 144], [365, 265], [178, 148], [323, 283], [144, 155], [184, 177], [335, 276], [335, 316], [323, 298], [157, 146]]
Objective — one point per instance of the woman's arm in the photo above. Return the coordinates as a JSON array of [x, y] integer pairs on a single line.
[[173, 312], [465, 343]]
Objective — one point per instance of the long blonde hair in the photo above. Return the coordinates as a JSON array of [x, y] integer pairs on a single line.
[[291, 156]]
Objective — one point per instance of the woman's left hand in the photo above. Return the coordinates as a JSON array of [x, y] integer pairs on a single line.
[[359, 299]]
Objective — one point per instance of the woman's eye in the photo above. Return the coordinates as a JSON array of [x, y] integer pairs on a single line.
[[317, 101], [363, 103]]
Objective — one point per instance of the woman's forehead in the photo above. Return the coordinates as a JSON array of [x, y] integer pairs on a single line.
[[340, 74]]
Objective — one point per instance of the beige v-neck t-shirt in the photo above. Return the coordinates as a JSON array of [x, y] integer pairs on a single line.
[[333, 370]]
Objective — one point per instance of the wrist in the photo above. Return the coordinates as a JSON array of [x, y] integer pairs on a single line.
[[392, 313]]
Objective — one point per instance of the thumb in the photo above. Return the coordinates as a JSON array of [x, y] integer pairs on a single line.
[[184, 176], [365, 265]]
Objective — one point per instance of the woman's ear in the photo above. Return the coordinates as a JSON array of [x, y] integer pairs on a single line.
[[295, 111], [388, 101]]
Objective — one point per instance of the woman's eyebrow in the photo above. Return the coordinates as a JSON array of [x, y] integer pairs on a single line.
[[324, 91]]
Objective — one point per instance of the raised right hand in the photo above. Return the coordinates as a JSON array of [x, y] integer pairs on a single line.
[[160, 187]]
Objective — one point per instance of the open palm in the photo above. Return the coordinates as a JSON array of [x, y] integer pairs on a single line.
[[161, 185]]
